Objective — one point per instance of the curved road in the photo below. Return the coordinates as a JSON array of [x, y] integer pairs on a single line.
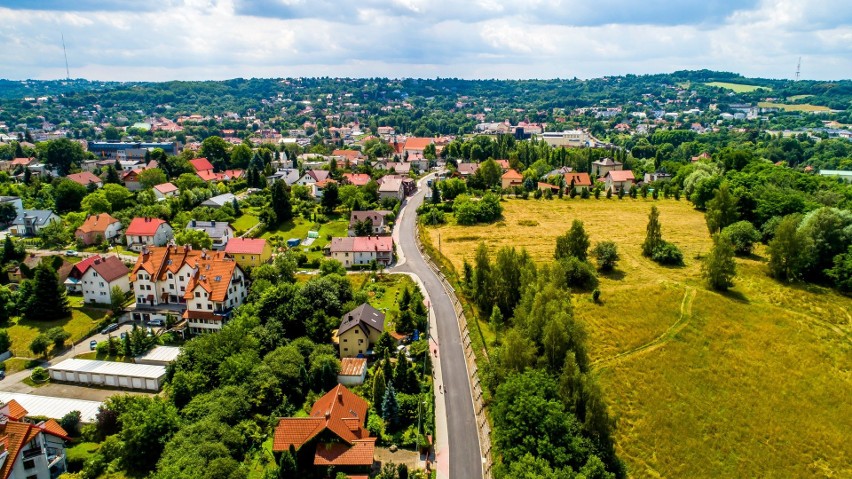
[[464, 454]]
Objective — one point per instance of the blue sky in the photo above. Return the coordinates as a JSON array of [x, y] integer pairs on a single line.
[[219, 39]]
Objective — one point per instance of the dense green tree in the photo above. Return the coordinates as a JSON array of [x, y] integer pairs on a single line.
[[8, 213], [841, 271], [40, 345], [721, 210], [152, 177], [653, 233], [68, 195], [575, 242], [606, 255], [719, 267], [215, 149], [47, 300], [197, 238], [146, 426], [790, 251], [62, 155], [57, 336], [742, 235], [280, 202], [330, 198]]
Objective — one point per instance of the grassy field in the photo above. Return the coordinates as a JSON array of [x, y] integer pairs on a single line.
[[798, 97], [299, 228], [751, 383], [737, 87], [22, 332], [245, 222], [783, 106]]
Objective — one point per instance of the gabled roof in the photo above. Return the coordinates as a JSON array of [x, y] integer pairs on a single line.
[[144, 226], [606, 162], [170, 259], [352, 366], [415, 143], [339, 411], [318, 175], [466, 169], [361, 244], [214, 229], [376, 216], [22, 161], [109, 268], [362, 316], [39, 217], [390, 185], [214, 276], [580, 179], [15, 435], [201, 164], [357, 179], [360, 453], [165, 188], [97, 223], [245, 246], [52, 427], [219, 200], [351, 154], [83, 265], [620, 175], [13, 410], [84, 178]]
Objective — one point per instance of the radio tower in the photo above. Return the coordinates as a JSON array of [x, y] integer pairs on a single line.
[[68, 73], [798, 68]]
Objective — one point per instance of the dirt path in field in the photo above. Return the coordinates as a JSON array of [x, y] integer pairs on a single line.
[[659, 341]]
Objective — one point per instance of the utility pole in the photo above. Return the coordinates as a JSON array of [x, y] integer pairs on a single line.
[[798, 68]]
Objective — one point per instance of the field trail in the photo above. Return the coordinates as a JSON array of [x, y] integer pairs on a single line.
[[659, 341]]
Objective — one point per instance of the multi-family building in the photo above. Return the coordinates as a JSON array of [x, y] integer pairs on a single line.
[[217, 287], [362, 250], [30, 450], [101, 276]]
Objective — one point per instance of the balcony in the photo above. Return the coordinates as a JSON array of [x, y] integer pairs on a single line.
[[33, 452]]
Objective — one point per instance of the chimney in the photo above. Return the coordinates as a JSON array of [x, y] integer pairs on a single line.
[[340, 396]]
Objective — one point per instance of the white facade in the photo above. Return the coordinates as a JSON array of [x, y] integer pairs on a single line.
[[109, 373], [97, 290], [572, 138], [205, 314], [163, 235], [147, 290], [44, 454]]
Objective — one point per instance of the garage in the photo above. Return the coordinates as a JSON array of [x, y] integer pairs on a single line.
[[144, 377]]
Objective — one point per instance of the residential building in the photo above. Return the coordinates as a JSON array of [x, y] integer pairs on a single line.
[[131, 179], [249, 252], [202, 166], [353, 371], [217, 287], [219, 200], [161, 274], [114, 150], [30, 450], [601, 167], [617, 180], [31, 222], [14, 201], [416, 146], [359, 330], [398, 168], [362, 250], [657, 176], [101, 276], [333, 435], [287, 175], [147, 232], [579, 181], [842, 174], [98, 228], [376, 218], [511, 179], [218, 231], [20, 162], [75, 275], [166, 190], [86, 178], [391, 188], [352, 156], [467, 169], [357, 179], [703, 156]]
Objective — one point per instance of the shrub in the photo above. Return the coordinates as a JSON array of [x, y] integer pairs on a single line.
[[606, 255], [667, 254], [584, 193], [596, 296], [39, 374], [608, 194], [742, 236], [537, 194], [577, 274]]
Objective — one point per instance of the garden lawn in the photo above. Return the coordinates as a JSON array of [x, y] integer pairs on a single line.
[[245, 223], [82, 320], [754, 382], [299, 228]]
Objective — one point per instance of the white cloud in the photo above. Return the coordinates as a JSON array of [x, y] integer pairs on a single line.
[[217, 39]]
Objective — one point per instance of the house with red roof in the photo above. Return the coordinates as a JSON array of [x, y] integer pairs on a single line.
[[201, 165], [101, 276], [144, 232], [98, 228], [333, 435], [618, 180], [362, 250], [511, 179], [357, 179], [72, 282], [213, 291], [352, 156], [414, 145], [86, 178], [249, 252], [30, 449], [578, 181]]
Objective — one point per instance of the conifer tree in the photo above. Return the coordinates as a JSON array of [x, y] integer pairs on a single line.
[[653, 233]]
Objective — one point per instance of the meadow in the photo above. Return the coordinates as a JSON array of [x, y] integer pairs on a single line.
[[753, 382], [737, 87], [807, 107]]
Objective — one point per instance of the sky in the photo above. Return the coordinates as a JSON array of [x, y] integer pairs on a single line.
[[160, 40]]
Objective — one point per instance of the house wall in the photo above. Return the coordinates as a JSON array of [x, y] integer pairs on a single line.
[[96, 290], [391, 194], [163, 235], [352, 380], [38, 463], [353, 342], [246, 260]]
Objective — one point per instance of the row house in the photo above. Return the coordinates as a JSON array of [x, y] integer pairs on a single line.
[[217, 287], [161, 274]]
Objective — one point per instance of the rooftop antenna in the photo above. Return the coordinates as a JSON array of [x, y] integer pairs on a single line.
[[798, 68], [68, 73]]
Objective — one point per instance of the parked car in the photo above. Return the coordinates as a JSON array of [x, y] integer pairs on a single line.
[[157, 322], [93, 345], [112, 327], [71, 252]]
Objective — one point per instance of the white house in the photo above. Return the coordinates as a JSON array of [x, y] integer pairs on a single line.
[[166, 190], [31, 450], [147, 232], [161, 275], [31, 222], [218, 231], [618, 180], [213, 292], [101, 276], [362, 250]]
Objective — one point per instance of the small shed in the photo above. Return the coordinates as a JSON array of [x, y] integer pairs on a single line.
[[109, 373], [293, 242], [159, 356], [353, 371]]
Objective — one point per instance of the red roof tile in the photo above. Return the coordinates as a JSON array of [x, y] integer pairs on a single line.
[[13, 410], [621, 175], [144, 226], [84, 178], [512, 175], [580, 179], [417, 143], [245, 246], [340, 454], [201, 164], [165, 188], [352, 366]]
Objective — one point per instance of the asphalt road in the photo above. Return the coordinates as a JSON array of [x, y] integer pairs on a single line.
[[465, 459]]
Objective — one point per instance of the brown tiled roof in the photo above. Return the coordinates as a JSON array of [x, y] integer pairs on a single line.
[[360, 453], [295, 431], [414, 143], [512, 175], [352, 366], [84, 178], [97, 223], [52, 427], [165, 188], [110, 268], [15, 435], [580, 179], [622, 175]]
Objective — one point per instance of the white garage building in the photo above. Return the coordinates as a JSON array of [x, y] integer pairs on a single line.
[[109, 373]]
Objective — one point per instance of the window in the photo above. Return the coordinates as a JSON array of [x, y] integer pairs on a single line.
[[102, 284], [171, 276], [197, 305], [29, 464], [209, 306], [345, 340], [197, 294], [95, 274]]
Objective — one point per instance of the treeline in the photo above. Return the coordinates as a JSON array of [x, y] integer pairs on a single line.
[[548, 413]]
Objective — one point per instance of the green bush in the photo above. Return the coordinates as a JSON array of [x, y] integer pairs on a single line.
[[39, 374], [577, 274], [667, 254], [743, 235]]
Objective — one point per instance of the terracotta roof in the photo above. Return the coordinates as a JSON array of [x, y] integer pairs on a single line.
[[52, 427], [361, 244], [201, 164], [97, 223], [622, 175], [187, 314], [13, 410], [318, 175], [360, 453], [144, 226], [351, 154], [22, 161], [165, 188], [13, 437], [206, 175], [504, 164], [512, 175], [352, 366], [132, 175], [83, 265], [214, 276], [465, 169], [169, 259], [296, 431], [357, 179], [84, 178], [580, 179], [110, 268], [245, 246], [417, 143]]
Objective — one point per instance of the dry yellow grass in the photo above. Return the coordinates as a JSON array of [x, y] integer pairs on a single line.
[[794, 107], [753, 383]]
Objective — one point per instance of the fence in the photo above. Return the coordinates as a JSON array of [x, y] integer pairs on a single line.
[[470, 359]]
